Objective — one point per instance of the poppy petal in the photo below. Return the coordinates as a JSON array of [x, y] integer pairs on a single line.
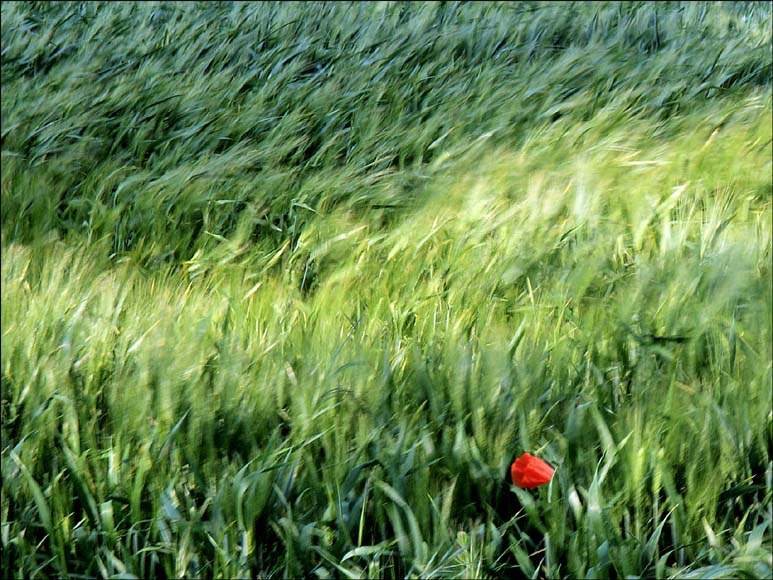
[[529, 472]]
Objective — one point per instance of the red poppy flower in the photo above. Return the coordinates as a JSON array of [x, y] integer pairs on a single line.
[[529, 472]]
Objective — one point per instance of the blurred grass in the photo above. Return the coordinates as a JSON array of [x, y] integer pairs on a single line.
[[225, 117], [286, 286]]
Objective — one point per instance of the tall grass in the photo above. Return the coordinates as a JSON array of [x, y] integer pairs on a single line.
[[225, 117], [286, 286]]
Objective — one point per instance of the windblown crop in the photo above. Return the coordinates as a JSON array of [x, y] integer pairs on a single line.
[[286, 287]]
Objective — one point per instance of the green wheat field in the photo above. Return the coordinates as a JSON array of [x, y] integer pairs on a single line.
[[287, 286]]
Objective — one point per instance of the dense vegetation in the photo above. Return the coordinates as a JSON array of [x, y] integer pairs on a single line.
[[286, 286]]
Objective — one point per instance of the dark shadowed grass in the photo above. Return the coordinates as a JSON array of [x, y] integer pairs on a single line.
[[225, 117], [285, 287]]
